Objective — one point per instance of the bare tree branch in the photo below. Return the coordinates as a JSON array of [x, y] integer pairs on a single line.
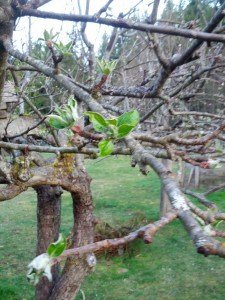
[[146, 233], [122, 23]]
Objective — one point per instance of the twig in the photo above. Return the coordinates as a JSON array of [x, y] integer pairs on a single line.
[[214, 189], [201, 198], [145, 232]]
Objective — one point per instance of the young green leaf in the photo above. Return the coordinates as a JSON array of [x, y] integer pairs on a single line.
[[46, 35], [57, 122], [72, 102], [56, 249], [63, 49], [129, 118], [59, 110], [99, 123], [49, 35], [67, 115], [112, 121], [72, 105], [105, 147], [106, 67], [124, 130]]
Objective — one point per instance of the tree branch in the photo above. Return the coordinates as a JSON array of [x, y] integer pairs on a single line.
[[122, 23], [145, 232]]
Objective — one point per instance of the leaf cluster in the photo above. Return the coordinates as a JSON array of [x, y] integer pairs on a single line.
[[114, 129], [63, 49], [66, 116], [106, 67]]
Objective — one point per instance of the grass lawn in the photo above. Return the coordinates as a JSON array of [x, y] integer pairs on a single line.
[[170, 268]]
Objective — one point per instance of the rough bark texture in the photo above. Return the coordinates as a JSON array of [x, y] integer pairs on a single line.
[[48, 225], [6, 28], [75, 269]]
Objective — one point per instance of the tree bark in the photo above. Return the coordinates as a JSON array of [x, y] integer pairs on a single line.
[[76, 268], [6, 29], [48, 225], [165, 205]]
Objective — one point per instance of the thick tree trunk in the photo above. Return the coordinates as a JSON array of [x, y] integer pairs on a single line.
[[76, 268], [6, 29], [48, 225], [165, 205]]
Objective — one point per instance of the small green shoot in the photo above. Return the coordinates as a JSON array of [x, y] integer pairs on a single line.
[[114, 129], [67, 116], [106, 67]]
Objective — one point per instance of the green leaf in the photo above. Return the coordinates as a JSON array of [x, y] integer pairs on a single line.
[[57, 248], [111, 131], [69, 119], [99, 123], [112, 121], [59, 110], [113, 64], [129, 118], [64, 114], [67, 115], [106, 67], [105, 147], [64, 49], [49, 35], [72, 104], [57, 122], [124, 130], [46, 35]]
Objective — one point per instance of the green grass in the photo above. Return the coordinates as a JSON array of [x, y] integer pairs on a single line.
[[170, 268]]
